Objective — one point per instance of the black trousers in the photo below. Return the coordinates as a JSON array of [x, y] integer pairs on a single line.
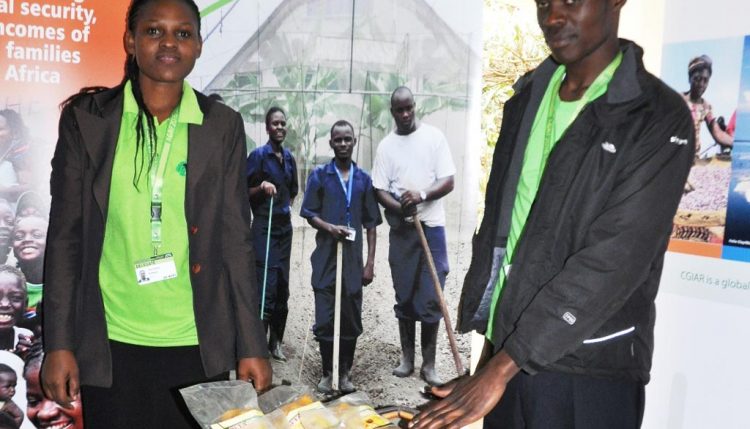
[[276, 308], [351, 314], [551, 400], [416, 298], [144, 388]]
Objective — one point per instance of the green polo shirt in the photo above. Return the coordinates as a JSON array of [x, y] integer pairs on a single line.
[[158, 314], [550, 123]]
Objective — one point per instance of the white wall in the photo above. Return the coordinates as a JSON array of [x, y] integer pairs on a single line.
[[642, 21]]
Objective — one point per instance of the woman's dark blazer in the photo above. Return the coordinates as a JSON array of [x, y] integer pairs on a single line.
[[217, 214]]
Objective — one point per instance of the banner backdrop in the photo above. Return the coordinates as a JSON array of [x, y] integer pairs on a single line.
[[49, 49], [699, 376]]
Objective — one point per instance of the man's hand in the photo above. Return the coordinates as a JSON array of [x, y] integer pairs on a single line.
[[368, 274], [468, 398], [255, 370], [409, 201], [268, 188], [337, 232], [59, 377]]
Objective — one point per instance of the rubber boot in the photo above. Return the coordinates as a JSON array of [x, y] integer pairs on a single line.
[[346, 360], [406, 330], [326, 360], [275, 340], [429, 345]]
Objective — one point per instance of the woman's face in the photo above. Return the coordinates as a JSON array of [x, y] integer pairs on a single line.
[[165, 41], [699, 83], [29, 238], [44, 413], [276, 127]]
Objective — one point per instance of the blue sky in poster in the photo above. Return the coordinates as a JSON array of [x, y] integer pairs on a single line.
[[738, 207], [743, 106]]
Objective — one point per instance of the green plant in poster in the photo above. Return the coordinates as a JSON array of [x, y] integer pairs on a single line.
[[376, 120], [311, 94], [307, 95]]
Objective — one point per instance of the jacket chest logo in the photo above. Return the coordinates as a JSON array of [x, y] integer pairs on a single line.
[[678, 141], [609, 147]]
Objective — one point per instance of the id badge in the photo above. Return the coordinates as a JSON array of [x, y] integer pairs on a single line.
[[351, 233], [155, 269]]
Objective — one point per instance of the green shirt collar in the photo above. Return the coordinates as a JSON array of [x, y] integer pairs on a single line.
[[190, 111]]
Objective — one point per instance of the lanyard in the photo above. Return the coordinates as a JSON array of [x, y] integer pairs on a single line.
[[347, 190], [597, 88], [157, 181]]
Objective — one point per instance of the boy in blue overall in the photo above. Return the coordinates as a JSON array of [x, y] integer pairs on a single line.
[[338, 202]]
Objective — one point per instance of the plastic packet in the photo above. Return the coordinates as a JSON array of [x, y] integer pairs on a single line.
[[224, 404], [276, 397], [278, 419], [354, 411], [304, 412]]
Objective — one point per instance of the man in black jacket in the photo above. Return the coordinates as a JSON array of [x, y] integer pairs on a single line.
[[587, 173]]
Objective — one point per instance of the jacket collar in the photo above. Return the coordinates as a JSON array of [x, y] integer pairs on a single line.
[[623, 87], [99, 123]]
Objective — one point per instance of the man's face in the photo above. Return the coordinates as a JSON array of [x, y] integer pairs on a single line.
[[7, 386], [402, 109], [576, 29], [699, 83], [342, 142], [12, 300]]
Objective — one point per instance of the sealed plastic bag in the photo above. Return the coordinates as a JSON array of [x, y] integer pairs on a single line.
[[354, 411], [225, 404]]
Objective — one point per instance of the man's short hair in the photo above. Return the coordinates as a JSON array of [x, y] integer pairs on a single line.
[[400, 90], [342, 123], [700, 63]]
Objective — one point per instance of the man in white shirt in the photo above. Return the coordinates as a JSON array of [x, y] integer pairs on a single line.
[[413, 171]]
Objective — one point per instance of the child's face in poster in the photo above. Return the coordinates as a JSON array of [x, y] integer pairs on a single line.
[[7, 218], [7, 386], [30, 238], [43, 412], [12, 300]]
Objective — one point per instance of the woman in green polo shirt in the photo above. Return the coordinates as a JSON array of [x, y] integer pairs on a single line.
[[149, 282]]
